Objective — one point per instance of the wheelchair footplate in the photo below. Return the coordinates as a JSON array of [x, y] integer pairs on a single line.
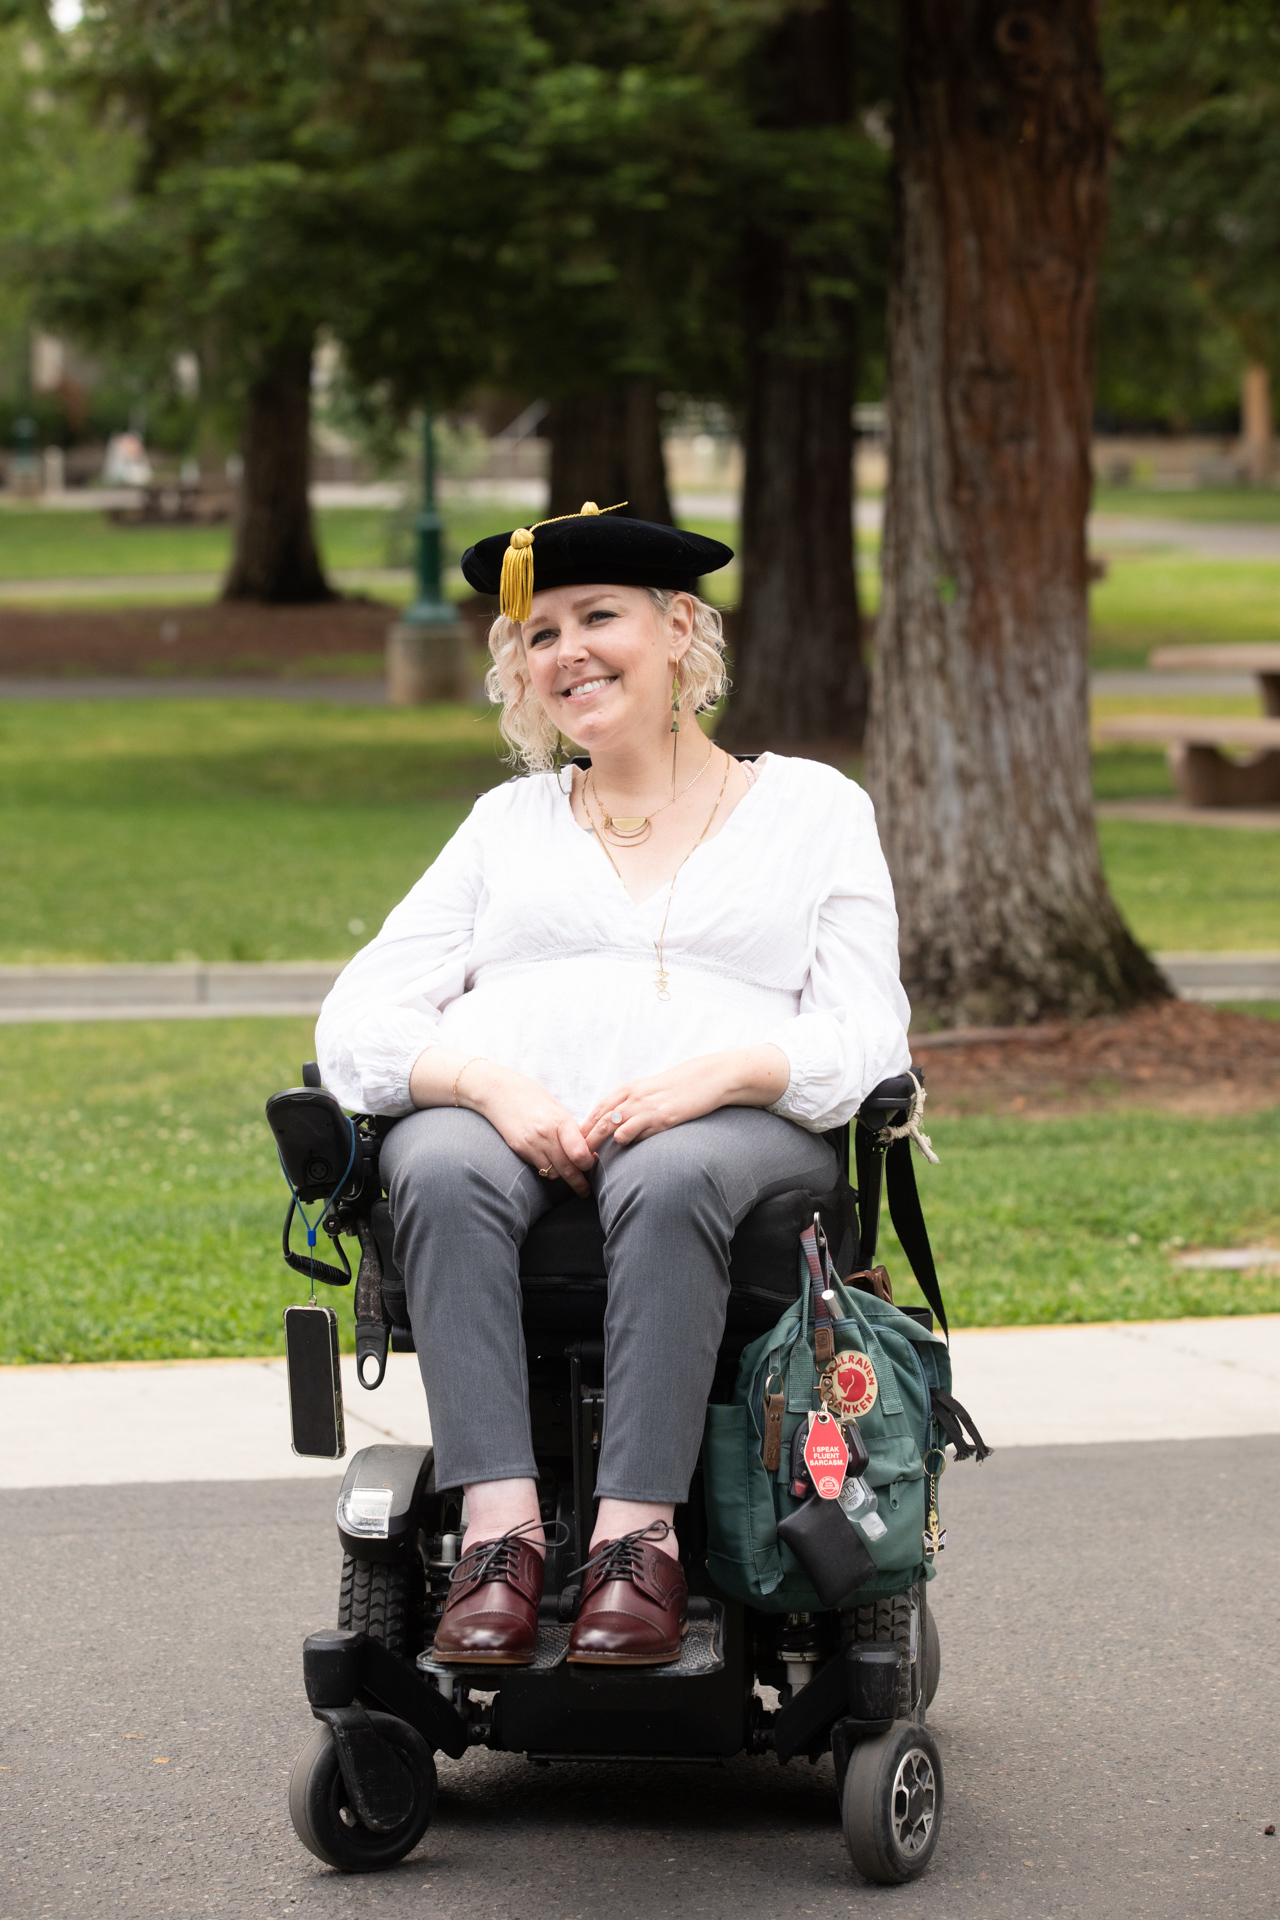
[[702, 1653]]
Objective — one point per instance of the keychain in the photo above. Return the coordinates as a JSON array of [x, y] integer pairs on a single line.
[[826, 1455], [775, 1401], [935, 1536]]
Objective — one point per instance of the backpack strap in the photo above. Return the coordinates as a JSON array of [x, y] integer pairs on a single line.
[[892, 1165]]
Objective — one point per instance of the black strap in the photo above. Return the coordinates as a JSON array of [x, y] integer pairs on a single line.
[[895, 1167], [869, 1171], [908, 1224], [308, 1264], [958, 1425]]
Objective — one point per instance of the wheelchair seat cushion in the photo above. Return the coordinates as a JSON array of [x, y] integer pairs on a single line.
[[562, 1270]]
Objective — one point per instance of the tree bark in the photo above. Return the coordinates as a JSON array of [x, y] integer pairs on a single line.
[[275, 558], [606, 445], [799, 678], [978, 743]]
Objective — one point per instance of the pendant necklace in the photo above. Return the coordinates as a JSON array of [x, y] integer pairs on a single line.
[[661, 978], [633, 830]]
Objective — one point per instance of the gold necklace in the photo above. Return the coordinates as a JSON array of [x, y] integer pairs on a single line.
[[661, 979], [632, 830]]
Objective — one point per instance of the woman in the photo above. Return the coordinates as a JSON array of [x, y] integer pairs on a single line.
[[657, 981]]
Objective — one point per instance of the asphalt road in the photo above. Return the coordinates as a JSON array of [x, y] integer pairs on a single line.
[[1110, 1621]]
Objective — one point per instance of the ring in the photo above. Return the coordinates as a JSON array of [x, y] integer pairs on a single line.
[[616, 1116], [545, 1173]]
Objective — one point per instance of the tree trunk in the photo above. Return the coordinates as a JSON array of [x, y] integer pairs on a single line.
[[275, 556], [800, 682], [606, 445], [645, 462], [979, 732]]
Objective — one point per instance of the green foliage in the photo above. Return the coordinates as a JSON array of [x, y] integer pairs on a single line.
[[57, 166], [1191, 285]]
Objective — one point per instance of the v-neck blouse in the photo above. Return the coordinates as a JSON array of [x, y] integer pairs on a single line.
[[521, 943]]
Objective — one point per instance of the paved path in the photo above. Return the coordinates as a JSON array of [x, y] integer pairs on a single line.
[[234, 988], [1026, 1386], [368, 691], [168, 990], [1211, 540], [1106, 1715], [1173, 813]]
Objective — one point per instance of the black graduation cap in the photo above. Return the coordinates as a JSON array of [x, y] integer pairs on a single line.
[[588, 548]]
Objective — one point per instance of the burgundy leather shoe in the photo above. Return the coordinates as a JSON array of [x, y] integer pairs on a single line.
[[491, 1615], [635, 1606]]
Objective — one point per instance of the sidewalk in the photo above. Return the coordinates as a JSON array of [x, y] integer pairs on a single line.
[[1025, 1386], [234, 988]]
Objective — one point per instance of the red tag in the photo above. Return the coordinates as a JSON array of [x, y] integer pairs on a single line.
[[826, 1456]]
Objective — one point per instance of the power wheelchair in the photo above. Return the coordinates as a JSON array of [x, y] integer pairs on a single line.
[[856, 1683]]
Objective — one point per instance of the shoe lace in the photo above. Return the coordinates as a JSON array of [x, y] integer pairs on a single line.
[[496, 1559], [620, 1559]]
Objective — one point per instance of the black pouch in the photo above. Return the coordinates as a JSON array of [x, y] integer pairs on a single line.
[[828, 1548]]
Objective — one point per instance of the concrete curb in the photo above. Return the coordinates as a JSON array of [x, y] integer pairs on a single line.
[[220, 990], [188, 1420], [243, 989]]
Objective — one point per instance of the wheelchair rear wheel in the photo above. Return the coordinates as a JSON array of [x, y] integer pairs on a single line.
[[326, 1823], [892, 1804]]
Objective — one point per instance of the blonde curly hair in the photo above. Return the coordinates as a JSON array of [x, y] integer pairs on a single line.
[[527, 727]]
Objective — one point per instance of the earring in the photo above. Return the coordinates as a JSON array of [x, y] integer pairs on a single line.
[[675, 701]]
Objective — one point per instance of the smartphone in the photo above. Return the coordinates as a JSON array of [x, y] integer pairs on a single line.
[[315, 1382]]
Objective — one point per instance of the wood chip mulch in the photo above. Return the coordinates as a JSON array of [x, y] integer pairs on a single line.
[[195, 640], [1177, 1055]]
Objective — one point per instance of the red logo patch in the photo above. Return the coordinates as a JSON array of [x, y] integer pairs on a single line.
[[853, 1383]]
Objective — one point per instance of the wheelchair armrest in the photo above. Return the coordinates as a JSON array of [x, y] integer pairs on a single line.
[[887, 1104]]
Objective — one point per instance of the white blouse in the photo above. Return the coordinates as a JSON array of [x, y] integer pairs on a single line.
[[522, 944]]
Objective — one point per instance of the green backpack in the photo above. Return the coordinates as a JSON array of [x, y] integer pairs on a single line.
[[906, 1432]]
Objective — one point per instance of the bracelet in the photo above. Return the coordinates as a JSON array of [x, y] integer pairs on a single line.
[[461, 1070]]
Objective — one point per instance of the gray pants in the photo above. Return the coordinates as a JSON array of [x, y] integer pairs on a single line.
[[463, 1202]]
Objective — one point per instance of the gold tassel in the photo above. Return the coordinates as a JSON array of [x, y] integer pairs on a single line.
[[515, 591], [515, 595]]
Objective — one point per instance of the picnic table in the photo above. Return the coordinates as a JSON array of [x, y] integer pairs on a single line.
[[1204, 775]]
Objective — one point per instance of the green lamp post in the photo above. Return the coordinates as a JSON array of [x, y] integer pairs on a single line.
[[430, 608], [427, 648]]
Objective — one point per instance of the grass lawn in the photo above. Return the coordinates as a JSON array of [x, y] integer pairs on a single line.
[[1258, 506], [223, 830], [143, 1201], [1195, 889], [37, 545], [252, 830], [1166, 599], [1075, 1219], [42, 545]]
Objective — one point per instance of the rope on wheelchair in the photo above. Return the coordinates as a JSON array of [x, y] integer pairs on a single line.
[[911, 1128]]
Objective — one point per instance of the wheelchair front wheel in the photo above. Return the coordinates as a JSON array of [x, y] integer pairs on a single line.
[[892, 1804], [329, 1827]]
